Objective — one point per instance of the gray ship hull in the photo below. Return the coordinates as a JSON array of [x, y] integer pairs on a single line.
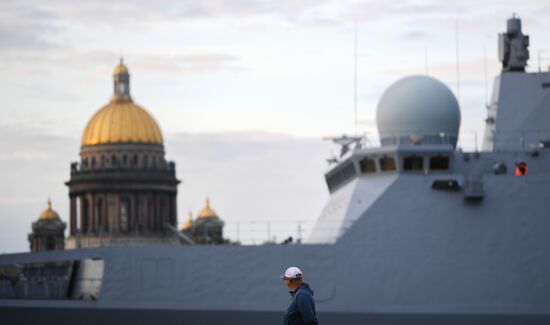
[[432, 258], [450, 266]]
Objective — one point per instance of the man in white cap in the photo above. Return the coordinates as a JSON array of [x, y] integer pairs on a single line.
[[301, 309]]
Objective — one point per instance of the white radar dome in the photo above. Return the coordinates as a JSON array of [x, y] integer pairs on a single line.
[[418, 109]]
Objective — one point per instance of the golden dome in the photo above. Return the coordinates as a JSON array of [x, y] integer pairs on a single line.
[[49, 213], [120, 68], [121, 121], [188, 224], [207, 212]]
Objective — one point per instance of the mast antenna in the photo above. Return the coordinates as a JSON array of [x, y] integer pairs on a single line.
[[485, 74], [426, 60], [539, 52], [457, 62], [355, 76]]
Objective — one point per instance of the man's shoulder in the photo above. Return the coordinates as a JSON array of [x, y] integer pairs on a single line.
[[304, 292]]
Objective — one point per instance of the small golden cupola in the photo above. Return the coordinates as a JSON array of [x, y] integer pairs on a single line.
[[207, 211], [48, 231], [208, 227], [120, 68], [121, 120], [188, 224], [49, 213]]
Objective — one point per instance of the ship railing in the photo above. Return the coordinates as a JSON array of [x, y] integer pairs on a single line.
[[250, 232], [471, 141], [523, 140]]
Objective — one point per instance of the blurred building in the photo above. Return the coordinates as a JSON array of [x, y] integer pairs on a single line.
[[206, 229], [47, 232]]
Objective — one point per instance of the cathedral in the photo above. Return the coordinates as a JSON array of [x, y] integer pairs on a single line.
[[207, 229], [123, 191]]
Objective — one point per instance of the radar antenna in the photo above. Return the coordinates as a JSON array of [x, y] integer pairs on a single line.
[[332, 160], [345, 142], [513, 46]]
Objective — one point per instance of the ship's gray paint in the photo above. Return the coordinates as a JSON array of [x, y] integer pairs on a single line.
[[518, 122], [398, 260], [346, 206]]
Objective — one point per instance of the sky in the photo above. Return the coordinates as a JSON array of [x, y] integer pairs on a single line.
[[243, 90]]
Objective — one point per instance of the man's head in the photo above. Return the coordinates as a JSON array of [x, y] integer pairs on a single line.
[[292, 277]]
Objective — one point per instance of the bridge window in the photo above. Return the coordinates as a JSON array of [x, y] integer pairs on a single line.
[[52, 280], [413, 163], [387, 164], [367, 166], [439, 163], [341, 177]]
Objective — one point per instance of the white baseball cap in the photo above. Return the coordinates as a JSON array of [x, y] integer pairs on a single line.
[[292, 273]]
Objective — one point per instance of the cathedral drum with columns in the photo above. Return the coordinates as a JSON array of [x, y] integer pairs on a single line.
[[123, 191]]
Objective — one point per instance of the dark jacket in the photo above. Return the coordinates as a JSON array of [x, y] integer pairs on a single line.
[[301, 308]]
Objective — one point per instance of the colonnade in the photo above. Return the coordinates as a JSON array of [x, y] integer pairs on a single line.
[[122, 212]]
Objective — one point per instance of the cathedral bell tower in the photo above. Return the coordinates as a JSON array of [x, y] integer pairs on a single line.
[[121, 81]]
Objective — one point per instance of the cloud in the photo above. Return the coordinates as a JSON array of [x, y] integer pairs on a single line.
[[374, 11], [86, 62], [26, 155], [43, 24], [470, 69], [132, 13], [416, 35], [423, 9], [25, 28], [198, 63]]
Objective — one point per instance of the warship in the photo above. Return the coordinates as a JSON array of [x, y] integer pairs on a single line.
[[415, 231]]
